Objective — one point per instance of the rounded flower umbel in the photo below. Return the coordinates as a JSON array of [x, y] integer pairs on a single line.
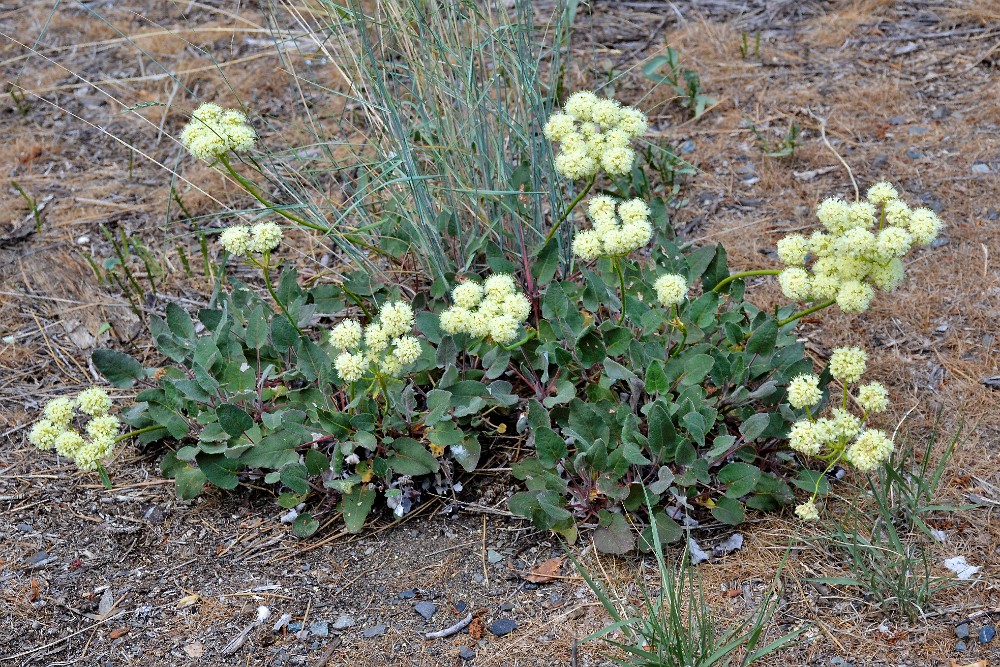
[[214, 131], [618, 229], [860, 250], [594, 133], [57, 430], [843, 436], [383, 348], [239, 240], [494, 310]]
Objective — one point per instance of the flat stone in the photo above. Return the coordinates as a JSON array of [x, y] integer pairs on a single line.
[[478, 578], [507, 606], [940, 111], [343, 622], [40, 557], [961, 646], [320, 628], [493, 556], [917, 129], [294, 626], [687, 147], [987, 634], [897, 120], [980, 168], [24, 527], [913, 155], [407, 594], [461, 606], [374, 631], [425, 609], [466, 653], [962, 631], [503, 626]]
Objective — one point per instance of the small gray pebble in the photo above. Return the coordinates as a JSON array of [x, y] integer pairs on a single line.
[[917, 129], [940, 111], [837, 661], [374, 631], [980, 168], [880, 161], [478, 578], [897, 120], [687, 147], [320, 628], [493, 556], [343, 622], [507, 606], [294, 626], [530, 586], [987, 634], [960, 646], [38, 558], [24, 527], [962, 631], [466, 653], [913, 155], [992, 214], [503, 626], [407, 594], [461, 606], [425, 609]]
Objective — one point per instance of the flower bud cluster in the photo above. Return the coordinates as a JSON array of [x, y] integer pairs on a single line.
[[384, 345], [842, 434], [496, 309], [214, 131], [56, 429], [860, 249], [240, 240], [594, 133], [613, 235]]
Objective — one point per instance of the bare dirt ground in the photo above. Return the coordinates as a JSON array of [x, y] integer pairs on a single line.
[[908, 91]]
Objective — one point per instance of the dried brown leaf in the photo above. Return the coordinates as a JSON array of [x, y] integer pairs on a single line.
[[545, 571]]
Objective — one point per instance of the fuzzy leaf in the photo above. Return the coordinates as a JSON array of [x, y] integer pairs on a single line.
[[117, 368], [233, 419], [304, 525], [355, 506]]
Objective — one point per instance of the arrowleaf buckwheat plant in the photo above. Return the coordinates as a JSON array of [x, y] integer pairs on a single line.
[[645, 387]]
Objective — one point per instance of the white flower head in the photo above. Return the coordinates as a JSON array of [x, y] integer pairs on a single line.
[[467, 294], [807, 511], [351, 367], [873, 397], [847, 364], [882, 193], [346, 335], [264, 237], [236, 240], [93, 401], [804, 391], [671, 289]]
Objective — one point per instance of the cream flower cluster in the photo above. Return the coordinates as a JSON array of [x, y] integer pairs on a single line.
[[384, 345], [594, 133], [496, 309], [241, 239], [860, 250], [214, 131], [56, 430], [671, 289], [613, 235], [843, 433]]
